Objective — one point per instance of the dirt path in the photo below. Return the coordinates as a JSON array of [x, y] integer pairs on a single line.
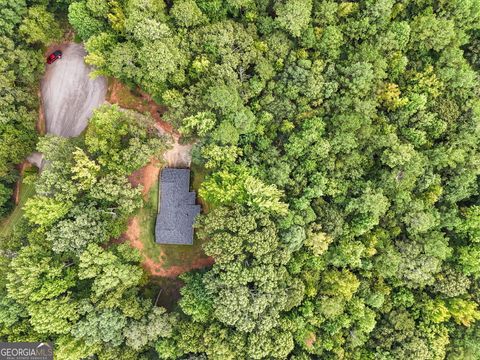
[[69, 96], [16, 190], [179, 156], [36, 159]]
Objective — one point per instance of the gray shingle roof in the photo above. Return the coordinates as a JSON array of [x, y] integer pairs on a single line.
[[177, 208]]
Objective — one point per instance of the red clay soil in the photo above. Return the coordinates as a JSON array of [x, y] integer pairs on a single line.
[[155, 110], [112, 92], [145, 176], [120, 94], [144, 104], [132, 234], [156, 269], [16, 191]]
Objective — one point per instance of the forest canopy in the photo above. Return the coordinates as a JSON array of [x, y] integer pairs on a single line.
[[341, 142], [24, 31]]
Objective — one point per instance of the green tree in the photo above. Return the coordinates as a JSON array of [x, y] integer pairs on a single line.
[[122, 140], [195, 301], [226, 187], [5, 195], [44, 212], [200, 124], [468, 258], [140, 333], [42, 284], [84, 22], [85, 170], [39, 26], [98, 327], [186, 13], [294, 15], [83, 226], [464, 312], [249, 286], [112, 274]]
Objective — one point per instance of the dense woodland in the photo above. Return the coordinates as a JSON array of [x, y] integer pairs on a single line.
[[24, 30], [342, 145]]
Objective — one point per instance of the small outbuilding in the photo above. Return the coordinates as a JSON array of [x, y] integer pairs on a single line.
[[177, 210]]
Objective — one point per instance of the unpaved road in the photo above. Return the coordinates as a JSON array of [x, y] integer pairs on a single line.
[[69, 96], [179, 156], [36, 159]]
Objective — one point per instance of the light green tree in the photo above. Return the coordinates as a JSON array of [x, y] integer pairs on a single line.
[[44, 212], [294, 15], [39, 26], [85, 171], [186, 13]]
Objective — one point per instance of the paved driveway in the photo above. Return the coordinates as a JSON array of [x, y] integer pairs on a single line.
[[69, 96]]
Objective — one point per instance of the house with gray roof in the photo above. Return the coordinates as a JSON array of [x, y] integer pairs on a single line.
[[177, 210]]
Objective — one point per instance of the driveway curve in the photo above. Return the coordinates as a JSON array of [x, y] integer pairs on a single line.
[[69, 96]]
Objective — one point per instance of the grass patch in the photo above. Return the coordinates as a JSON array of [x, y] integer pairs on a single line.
[[147, 216], [169, 255], [8, 224], [198, 176]]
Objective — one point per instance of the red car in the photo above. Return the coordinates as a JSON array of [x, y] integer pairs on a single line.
[[54, 56]]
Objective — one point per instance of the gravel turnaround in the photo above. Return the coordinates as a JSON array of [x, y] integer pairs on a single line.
[[69, 96]]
